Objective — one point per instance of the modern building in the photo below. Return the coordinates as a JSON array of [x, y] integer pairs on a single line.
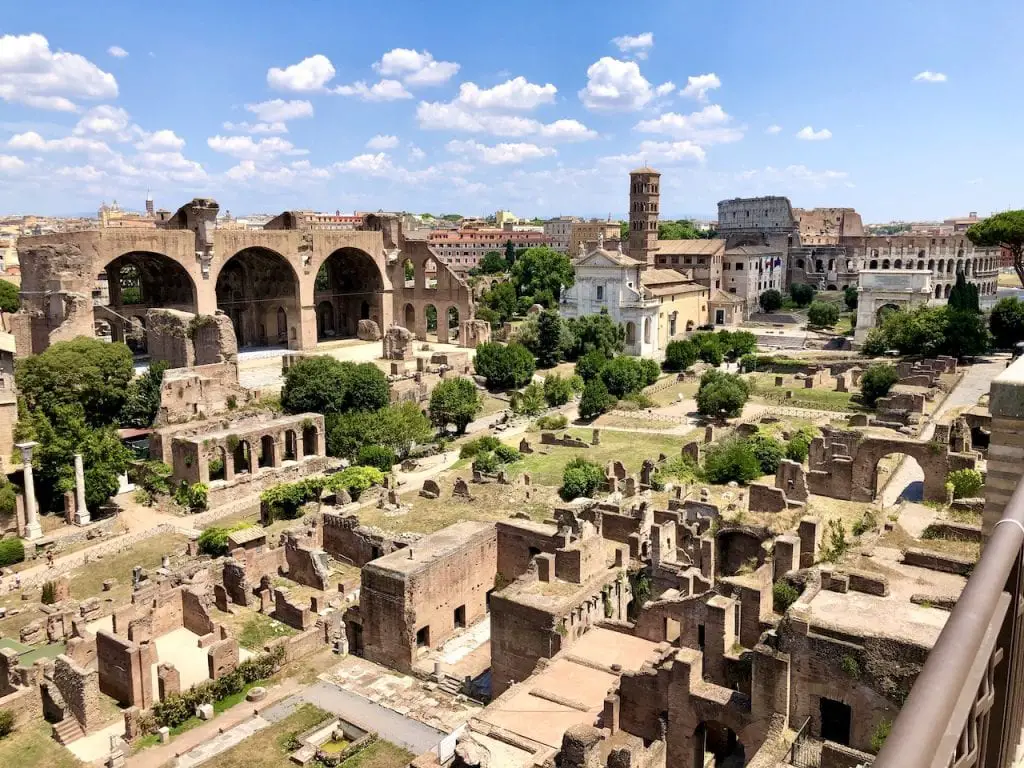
[[590, 232], [750, 270], [502, 218], [463, 249], [560, 232]]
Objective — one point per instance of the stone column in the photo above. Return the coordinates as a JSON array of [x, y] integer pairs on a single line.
[[32, 527], [81, 510]]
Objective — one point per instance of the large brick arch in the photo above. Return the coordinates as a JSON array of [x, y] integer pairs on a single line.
[[934, 458], [735, 546]]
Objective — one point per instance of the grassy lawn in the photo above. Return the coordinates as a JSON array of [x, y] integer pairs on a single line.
[[492, 405], [269, 747], [669, 395], [817, 397], [845, 325], [258, 630], [32, 746], [380, 754]]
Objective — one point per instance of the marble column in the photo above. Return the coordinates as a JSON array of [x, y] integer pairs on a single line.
[[32, 527], [81, 510]]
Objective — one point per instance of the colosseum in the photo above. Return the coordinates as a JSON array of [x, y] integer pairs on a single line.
[[287, 285]]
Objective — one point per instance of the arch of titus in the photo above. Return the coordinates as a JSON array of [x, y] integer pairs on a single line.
[[284, 285]]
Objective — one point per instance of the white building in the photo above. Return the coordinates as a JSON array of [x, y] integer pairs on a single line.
[[560, 232], [750, 270], [881, 291]]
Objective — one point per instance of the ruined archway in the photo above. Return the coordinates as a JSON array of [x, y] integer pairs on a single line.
[[738, 550], [430, 312], [898, 476], [257, 288], [350, 283], [717, 745], [453, 321], [410, 317], [884, 311]]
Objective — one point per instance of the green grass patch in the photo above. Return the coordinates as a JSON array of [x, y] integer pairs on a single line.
[[260, 629], [380, 754]]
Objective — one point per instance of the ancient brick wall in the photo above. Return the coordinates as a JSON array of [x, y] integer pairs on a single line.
[[345, 539], [81, 692], [521, 635], [195, 617], [166, 612], [222, 658], [518, 541], [124, 670], [305, 562]]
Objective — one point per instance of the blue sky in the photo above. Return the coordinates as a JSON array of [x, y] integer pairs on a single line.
[[900, 109]]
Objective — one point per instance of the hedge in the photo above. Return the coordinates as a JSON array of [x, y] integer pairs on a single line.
[[11, 551]]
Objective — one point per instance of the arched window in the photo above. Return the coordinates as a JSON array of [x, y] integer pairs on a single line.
[[873, 264], [885, 263]]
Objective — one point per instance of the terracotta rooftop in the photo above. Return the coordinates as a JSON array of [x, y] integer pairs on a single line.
[[690, 247]]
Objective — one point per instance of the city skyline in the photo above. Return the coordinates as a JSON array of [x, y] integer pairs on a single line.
[[420, 115]]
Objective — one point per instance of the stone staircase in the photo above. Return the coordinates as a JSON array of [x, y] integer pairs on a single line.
[[67, 731], [450, 685]]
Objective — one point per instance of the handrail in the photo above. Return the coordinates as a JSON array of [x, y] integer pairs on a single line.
[[926, 724]]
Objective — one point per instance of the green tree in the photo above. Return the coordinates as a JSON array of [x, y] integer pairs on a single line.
[[379, 456], [493, 263], [735, 344], [504, 366], [623, 376], [1005, 230], [431, 314], [850, 296], [681, 229], [650, 370], [325, 385], [823, 314], [595, 399], [731, 459], [530, 401], [557, 391], [455, 401], [770, 300], [798, 447], [964, 295], [398, 427], [82, 371], [408, 270], [769, 452], [542, 273], [679, 355], [590, 365], [143, 397], [597, 332], [876, 382], [510, 254], [10, 298], [502, 299], [549, 338], [366, 388], [624, 231], [580, 477], [965, 333], [1007, 322], [721, 394], [802, 294]]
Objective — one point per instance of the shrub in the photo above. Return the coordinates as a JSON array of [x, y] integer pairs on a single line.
[[770, 300], [732, 459], [836, 545], [11, 551], [354, 480], [623, 375], [709, 348], [580, 478], [530, 401], [595, 400], [769, 452], [214, 540], [8, 498], [557, 391], [679, 355], [379, 456], [801, 294], [284, 500], [650, 370], [576, 382], [850, 666], [876, 382], [455, 401], [589, 366], [966, 483], [867, 522], [6, 722], [721, 393], [878, 738], [504, 366], [195, 497], [783, 596], [823, 314], [506, 454], [798, 447], [638, 399], [479, 445], [485, 462], [850, 296], [49, 595], [553, 421]]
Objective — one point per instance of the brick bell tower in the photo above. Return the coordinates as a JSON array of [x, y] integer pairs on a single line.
[[644, 196]]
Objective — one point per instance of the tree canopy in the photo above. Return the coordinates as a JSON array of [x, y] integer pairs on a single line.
[[591, 333], [326, 385], [681, 229], [1007, 322], [1004, 229], [504, 366], [455, 401], [929, 331], [542, 273], [493, 263], [964, 295], [10, 299]]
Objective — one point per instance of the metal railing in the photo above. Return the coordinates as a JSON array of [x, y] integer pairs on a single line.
[[967, 706], [805, 752]]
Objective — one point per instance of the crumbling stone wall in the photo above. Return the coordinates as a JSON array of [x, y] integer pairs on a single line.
[[518, 542], [124, 670], [306, 562], [80, 690], [345, 539]]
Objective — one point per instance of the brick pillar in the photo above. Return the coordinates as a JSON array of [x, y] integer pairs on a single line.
[[1006, 447]]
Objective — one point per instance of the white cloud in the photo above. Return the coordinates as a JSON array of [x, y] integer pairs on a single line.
[[711, 125], [32, 141], [807, 133], [385, 90], [415, 68], [618, 85], [244, 127], [773, 129], [930, 77], [795, 174], [10, 163], [103, 119], [280, 111], [381, 141], [438, 116], [635, 45], [82, 173], [367, 163], [514, 94], [161, 140], [117, 51], [243, 147], [499, 154], [660, 151], [567, 130], [310, 74], [416, 154], [32, 74], [298, 172], [175, 165], [697, 86]]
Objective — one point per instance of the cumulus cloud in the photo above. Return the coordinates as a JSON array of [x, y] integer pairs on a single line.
[[245, 127], [280, 111], [415, 67], [807, 133], [104, 119], [32, 141], [415, 153], [299, 171], [711, 125], [635, 45], [697, 86], [117, 51], [385, 90], [566, 130], [618, 85], [165, 139], [499, 154], [773, 129], [437, 116], [310, 74], [245, 148], [33, 75], [660, 151], [381, 141], [930, 77], [515, 94], [11, 163]]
